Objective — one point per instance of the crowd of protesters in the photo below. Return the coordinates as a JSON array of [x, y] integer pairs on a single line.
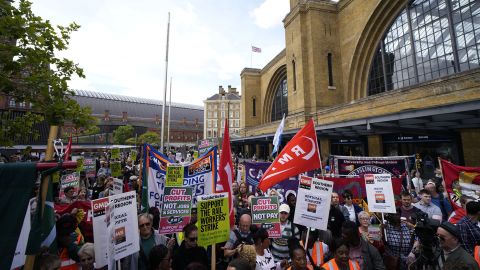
[[425, 231]]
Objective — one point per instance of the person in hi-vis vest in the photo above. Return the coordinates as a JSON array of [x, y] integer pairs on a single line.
[[341, 261], [317, 252]]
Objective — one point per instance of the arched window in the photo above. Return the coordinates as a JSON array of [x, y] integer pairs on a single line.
[[428, 40], [280, 101]]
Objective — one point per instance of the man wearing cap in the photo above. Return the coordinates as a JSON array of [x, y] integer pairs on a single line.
[[425, 205], [279, 246], [439, 200], [455, 256], [468, 227]]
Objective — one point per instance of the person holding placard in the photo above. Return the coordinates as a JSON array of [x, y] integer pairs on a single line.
[[279, 246], [399, 244], [370, 233], [341, 251]]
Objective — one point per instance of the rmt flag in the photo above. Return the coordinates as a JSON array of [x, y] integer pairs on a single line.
[[301, 154]]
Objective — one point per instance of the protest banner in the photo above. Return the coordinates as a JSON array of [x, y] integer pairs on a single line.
[[79, 165], [397, 166], [116, 168], [124, 225], [265, 214], [117, 186], [115, 153], [254, 172], [89, 166], [69, 180], [174, 175], [205, 145], [176, 209], [380, 193], [213, 221], [100, 231], [460, 180], [84, 213], [313, 202]]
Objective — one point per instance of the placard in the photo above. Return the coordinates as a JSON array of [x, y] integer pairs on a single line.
[[79, 165], [380, 193], [265, 214], [115, 153], [117, 186], [116, 168], [176, 209], [174, 175], [69, 180], [133, 155], [375, 232], [213, 219], [100, 231], [313, 202], [89, 166]]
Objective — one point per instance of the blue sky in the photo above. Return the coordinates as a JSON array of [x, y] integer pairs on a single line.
[[121, 43]]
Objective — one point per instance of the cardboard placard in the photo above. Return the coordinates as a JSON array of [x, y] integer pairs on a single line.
[[116, 168], [69, 180], [265, 214], [174, 175], [213, 219], [176, 209], [380, 193], [115, 153]]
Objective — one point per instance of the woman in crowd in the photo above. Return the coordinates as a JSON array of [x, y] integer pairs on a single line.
[[353, 209], [264, 259], [82, 195], [86, 254], [341, 260], [417, 182], [365, 222], [298, 256], [398, 242]]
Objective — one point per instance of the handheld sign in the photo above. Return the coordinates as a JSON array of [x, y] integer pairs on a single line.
[[89, 167], [176, 209], [80, 165], [214, 224], [265, 214], [69, 180], [174, 175], [133, 155], [380, 193], [117, 186], [116, 168], [115, 153], [100, 231], [313, 202]]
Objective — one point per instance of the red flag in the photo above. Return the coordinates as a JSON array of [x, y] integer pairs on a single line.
[[226, 173], [301, 154], [68, 150], [459, 180]]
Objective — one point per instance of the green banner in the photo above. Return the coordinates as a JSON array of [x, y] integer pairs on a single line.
[[213, 221], [115, 153], [174, 175], [116, 168]]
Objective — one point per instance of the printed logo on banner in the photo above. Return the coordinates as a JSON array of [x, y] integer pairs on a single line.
[[98, 206], [198, 167], [305, 183], [369, 179], [120, 235]]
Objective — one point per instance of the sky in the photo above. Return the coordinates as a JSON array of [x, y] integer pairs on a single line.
[[121, 44]]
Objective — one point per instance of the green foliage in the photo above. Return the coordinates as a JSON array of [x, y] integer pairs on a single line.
[[29, 69], [91, 130], [149, 137], [18, 129], [122, 133]]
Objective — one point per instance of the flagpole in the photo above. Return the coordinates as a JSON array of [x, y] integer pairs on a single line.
[[165, 88], [169, 111]]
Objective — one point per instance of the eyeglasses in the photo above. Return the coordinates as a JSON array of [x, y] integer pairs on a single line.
[[192, 239], [144, 225]]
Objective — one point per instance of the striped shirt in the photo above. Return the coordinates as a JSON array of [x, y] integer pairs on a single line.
[[279, 246]]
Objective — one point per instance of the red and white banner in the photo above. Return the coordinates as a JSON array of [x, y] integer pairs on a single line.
[[226, 172], [300, 155], [460, 180]]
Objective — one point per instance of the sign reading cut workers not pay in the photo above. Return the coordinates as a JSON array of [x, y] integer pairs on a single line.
[[213, 219], [380, 193], [265, 213], [313, 202]]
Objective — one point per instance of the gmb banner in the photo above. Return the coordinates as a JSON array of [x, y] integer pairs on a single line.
[[200, 175], [213, 221], [254, 172]]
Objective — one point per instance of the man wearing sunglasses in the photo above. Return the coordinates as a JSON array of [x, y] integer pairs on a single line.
[[189, 251], [455, 256]]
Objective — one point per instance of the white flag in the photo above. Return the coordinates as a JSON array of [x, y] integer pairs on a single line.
[[278, 136]]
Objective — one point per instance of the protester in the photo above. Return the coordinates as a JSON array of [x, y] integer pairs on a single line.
[[235, 188], [69, 195], [297, 253], [460, 212], [239, 264], [155, 212], [335, 201], [104, 169], [82, 195], [341, 260], [160, 258], [317, 251], [352, 208], [425, 205], [48, 261], [407, 211], [365, 223], [468, 227], [279, 246], [86, 255], [69, 242], [398, 242], [417, 182], [439, 199], [239, 236], [248, 253], [335, 217], [456, 256], [189, 251], [99, 186], [292, 203], [264, 260], [361, 251]]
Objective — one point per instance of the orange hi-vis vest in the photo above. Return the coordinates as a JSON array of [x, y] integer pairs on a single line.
[[476, 254], [317, 253], [66, 262], [332, 265]]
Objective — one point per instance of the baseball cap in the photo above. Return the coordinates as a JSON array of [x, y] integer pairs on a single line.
[[284, 208]]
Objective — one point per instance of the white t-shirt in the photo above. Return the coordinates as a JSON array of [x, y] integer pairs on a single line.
[[266, 261], [351, 212], [417, 183]]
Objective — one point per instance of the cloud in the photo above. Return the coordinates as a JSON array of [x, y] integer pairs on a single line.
[[270, 13]]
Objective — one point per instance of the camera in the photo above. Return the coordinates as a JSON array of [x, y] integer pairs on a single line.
[[429, 249]]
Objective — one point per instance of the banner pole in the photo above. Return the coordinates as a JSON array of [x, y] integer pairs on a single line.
[[214, 259], [384, 229], [306, 240]]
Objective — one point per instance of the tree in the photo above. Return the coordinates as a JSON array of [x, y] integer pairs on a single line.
[[31, 72], [19, 128], [122, 133], [149, 137]]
